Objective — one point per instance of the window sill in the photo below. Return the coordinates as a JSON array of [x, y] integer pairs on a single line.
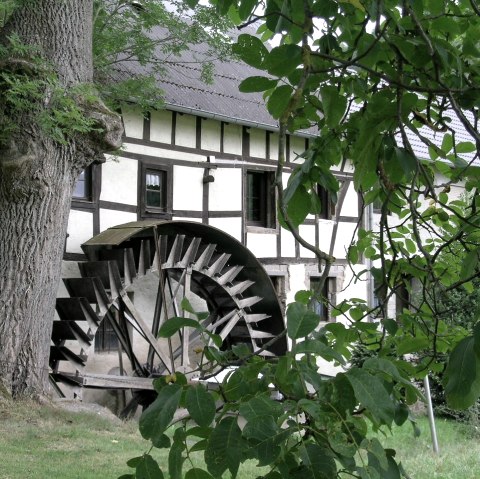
[[156, 214], [261, 229], [82, 203]]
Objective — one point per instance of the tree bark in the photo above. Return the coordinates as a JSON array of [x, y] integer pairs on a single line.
[[36, 179]]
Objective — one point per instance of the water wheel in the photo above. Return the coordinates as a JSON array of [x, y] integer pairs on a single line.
[[136, 277]]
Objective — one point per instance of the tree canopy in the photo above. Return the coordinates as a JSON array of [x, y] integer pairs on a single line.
[[60, 90], [392, 87]]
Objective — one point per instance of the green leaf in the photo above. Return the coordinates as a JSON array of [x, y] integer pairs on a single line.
[[279, 100], [447, 143], [469, 264], [407, 162], [260, 406], [148, 469], [197, 473], [157, 417], [300, 320], [466, 147], [265, 435], [176, 460], [224, 449], [246, 7], [299, 206], [192, 3], [462, 378], [319, 462], [334, 105], [303, 297], [173, 325], [257, 83], [412, 345], [310, 346], [251, 50], [283, 60], [161, 442], [340, 443], [200, 405], [371, 393]]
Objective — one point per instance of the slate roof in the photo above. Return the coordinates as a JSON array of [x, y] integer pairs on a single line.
[[186, 92]]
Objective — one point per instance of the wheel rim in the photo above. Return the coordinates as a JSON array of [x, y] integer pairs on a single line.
[[184, 259]]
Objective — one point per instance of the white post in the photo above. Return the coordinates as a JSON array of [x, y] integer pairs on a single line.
[[431, 418]]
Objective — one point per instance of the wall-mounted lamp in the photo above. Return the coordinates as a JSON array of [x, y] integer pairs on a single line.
[[209, 173]]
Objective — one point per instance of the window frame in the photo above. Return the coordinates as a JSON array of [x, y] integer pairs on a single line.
[[329, 292], [88, 197], [148, 211], [267, 199], [105, 330], [328, 206]]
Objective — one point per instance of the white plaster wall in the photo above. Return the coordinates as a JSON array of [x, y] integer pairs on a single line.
[[262, 245], [297, 147], [210, 139], [119, 181], [186, 131], [225, 193], [187, 188], [162, 153], [345, 234], [348, 167], [161, 126], [258, 142], [356, 288], [232, 226], [232, 139], [133, 121], [109, 218], [297, 281], [273, 146], [325, 228], [80, 229], [350, 203], [287, 244], [181, 218], [307, 232]]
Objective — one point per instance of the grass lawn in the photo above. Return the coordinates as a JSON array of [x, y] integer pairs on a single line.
[[459, 446], [43, 442]]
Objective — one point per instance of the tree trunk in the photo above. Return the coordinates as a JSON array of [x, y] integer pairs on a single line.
[[36, 179]]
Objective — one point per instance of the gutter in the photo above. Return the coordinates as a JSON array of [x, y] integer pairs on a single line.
[[229, 119]]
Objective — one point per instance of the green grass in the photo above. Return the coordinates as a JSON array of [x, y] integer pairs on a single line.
[[40, 442], [44, 442], [459, 446]]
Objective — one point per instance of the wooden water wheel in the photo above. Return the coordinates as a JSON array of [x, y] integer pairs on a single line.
[[171, 260]]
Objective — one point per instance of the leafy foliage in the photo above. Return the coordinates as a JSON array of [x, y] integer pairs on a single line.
[[151, 34], [392, 88], [296, 422], [29, 86], [147, 33]]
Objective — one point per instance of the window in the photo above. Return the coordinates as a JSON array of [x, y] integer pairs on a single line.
[[105, 338], [82, 189], [155, 189], [155, 192], [328, 206], [402, 294], [321, 298], [279, 285], [380, 299], [260, 199], [378, 206]]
